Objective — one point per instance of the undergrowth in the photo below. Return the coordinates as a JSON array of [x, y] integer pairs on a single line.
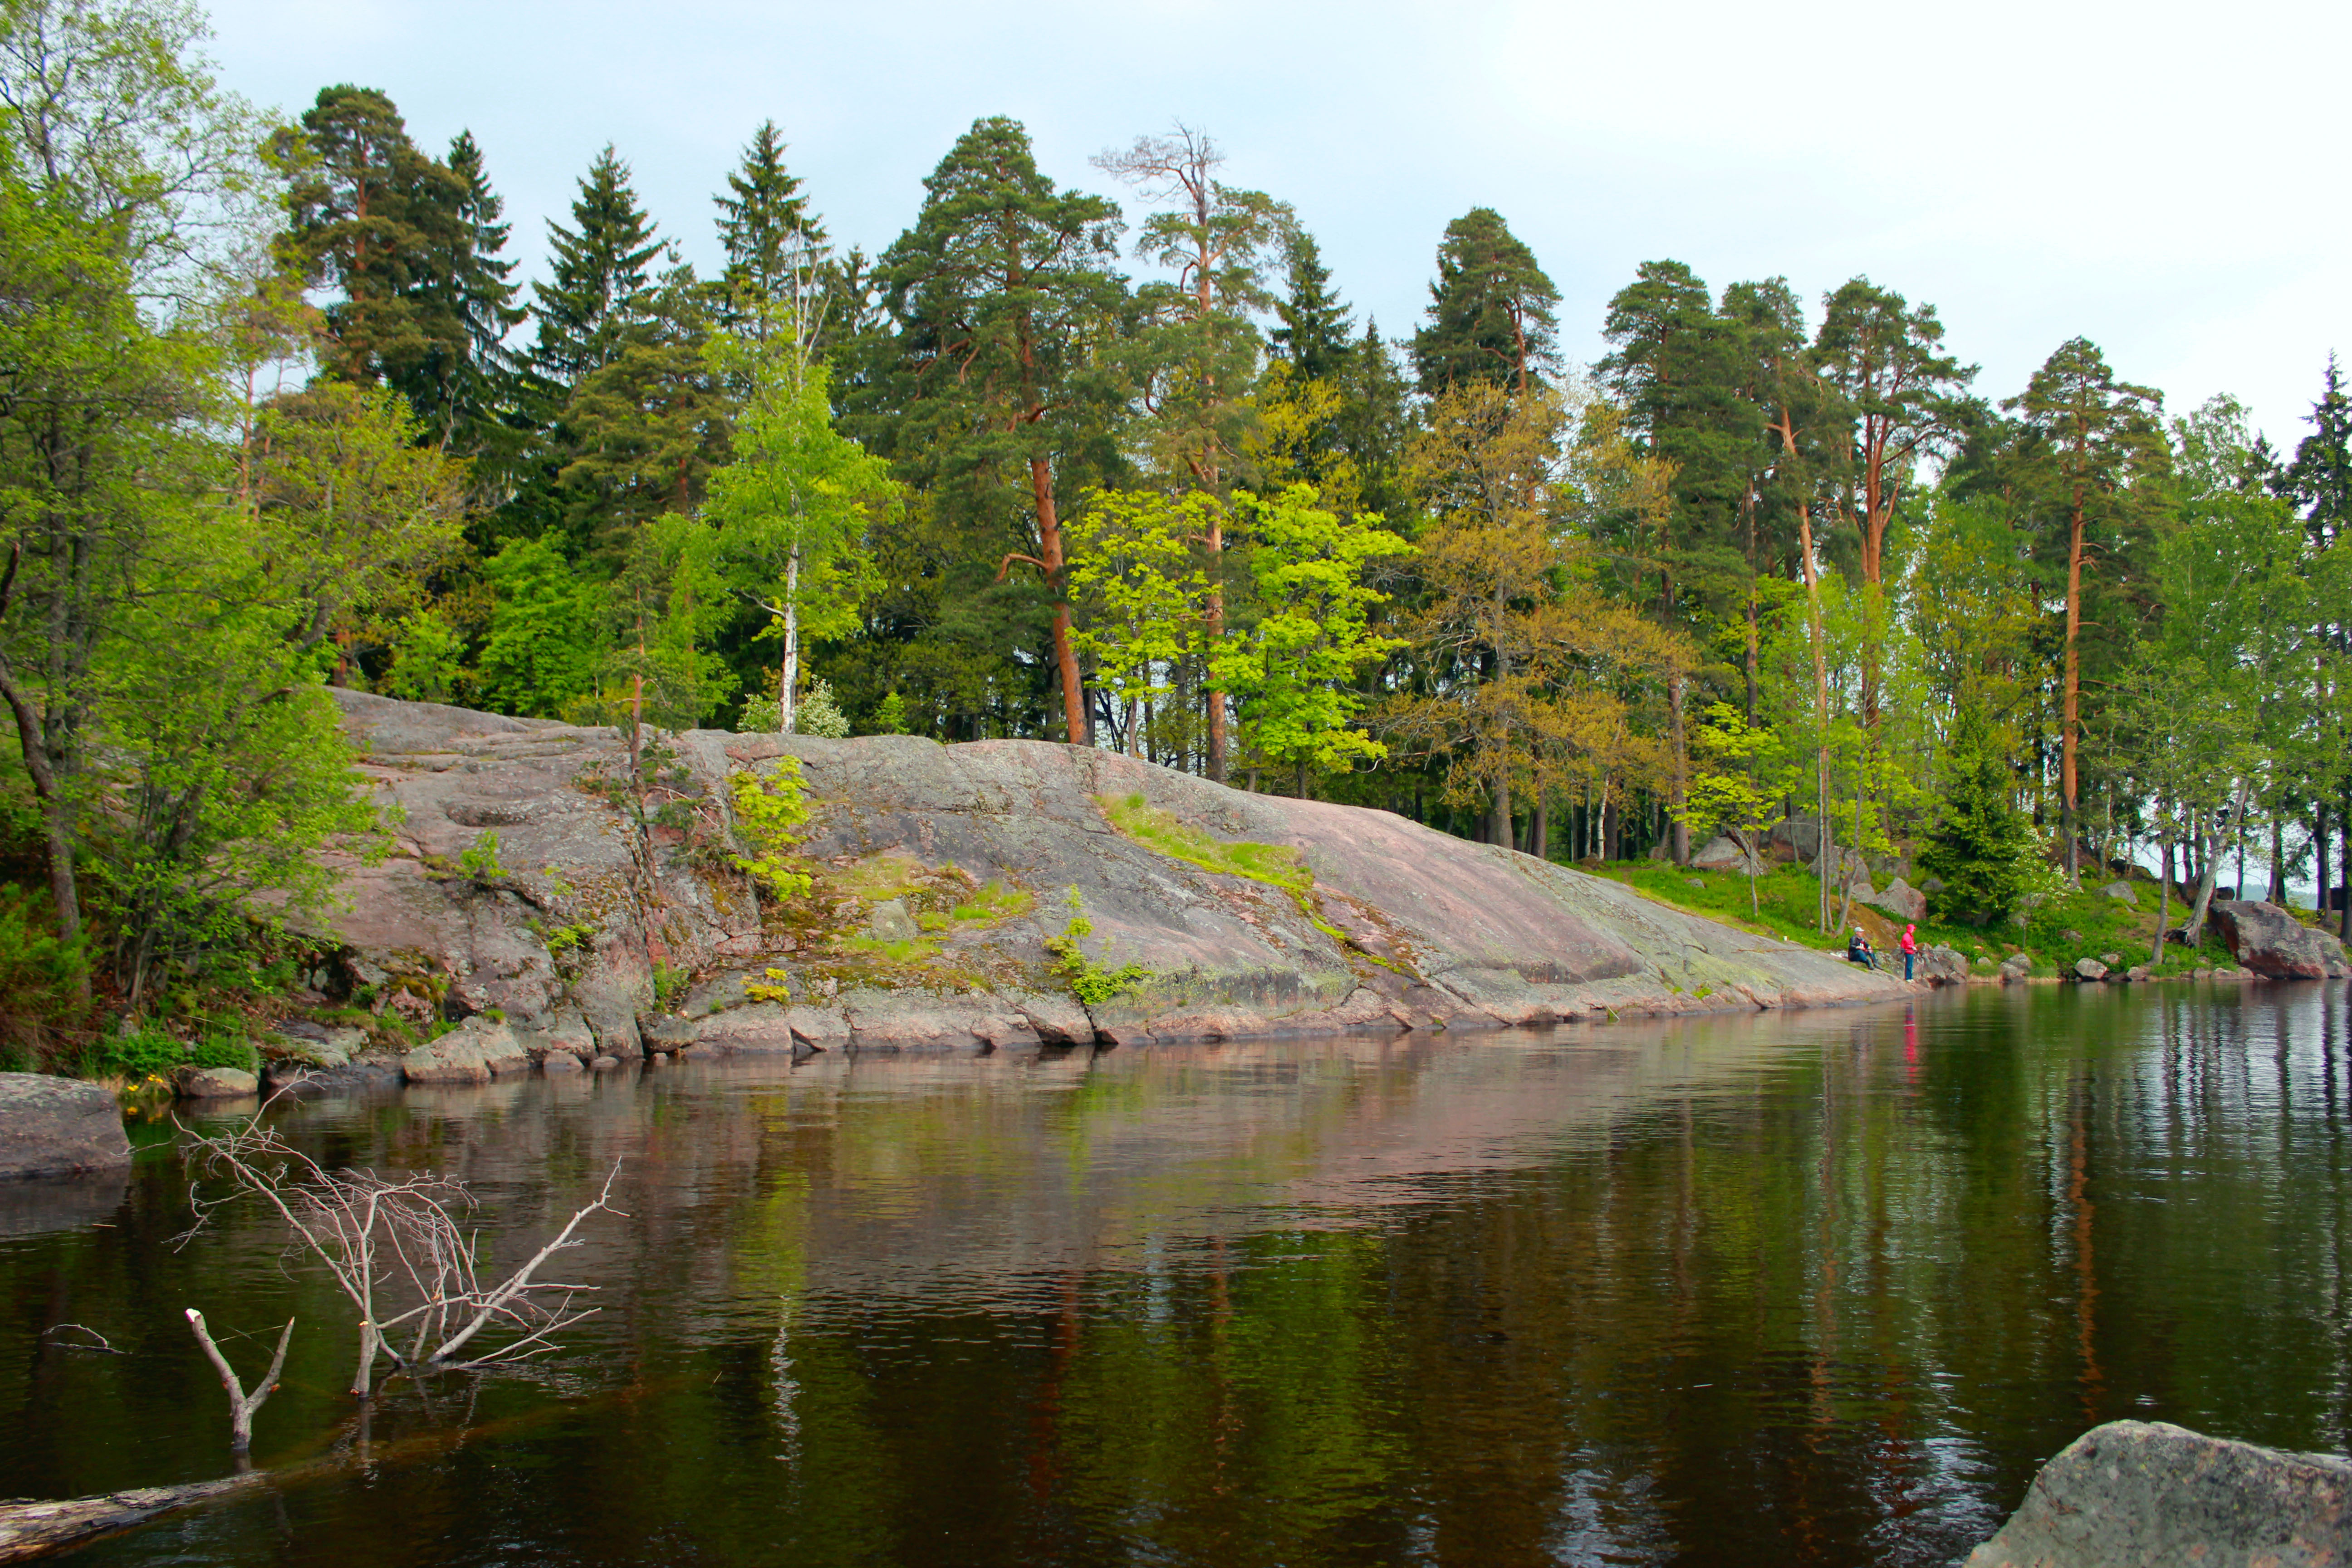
[[1091, 983]]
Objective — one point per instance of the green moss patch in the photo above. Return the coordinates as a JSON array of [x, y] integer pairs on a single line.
[[1276, 864]]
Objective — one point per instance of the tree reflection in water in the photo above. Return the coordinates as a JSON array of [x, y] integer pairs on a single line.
[[1811, 1289]]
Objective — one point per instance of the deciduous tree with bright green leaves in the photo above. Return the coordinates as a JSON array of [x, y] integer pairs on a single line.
[[1292, 672], [1141, 591], [793, 507]]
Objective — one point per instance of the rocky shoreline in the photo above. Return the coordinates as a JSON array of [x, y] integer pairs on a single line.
[[547, 909]]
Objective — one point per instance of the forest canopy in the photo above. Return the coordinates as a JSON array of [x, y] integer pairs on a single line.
[[1095, 455]]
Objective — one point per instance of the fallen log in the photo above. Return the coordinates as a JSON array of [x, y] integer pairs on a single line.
[[29, 1530]]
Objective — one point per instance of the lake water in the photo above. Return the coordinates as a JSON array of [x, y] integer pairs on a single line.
[[1819, 1288]]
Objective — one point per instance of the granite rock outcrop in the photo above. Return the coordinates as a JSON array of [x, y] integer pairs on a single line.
[[572, 902]]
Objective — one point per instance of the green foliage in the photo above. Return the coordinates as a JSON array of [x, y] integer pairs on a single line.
[[41, 980], [1293, 672], [795, 507], [1982, 846], [565, 939], [148, 1052], [1092, 983], [1491, 310], [480, 859], [818, 714], [1133, 576], [773, 990], [890, 717], [769, 811], [427, 659], [670, 985], [541, 651]]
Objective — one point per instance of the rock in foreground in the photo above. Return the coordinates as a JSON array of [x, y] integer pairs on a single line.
[[940, 874], [2267, 939], [2136, 1494], [56, 1127]]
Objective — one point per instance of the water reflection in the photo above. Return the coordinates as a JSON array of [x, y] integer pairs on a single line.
[[1817, 1289]]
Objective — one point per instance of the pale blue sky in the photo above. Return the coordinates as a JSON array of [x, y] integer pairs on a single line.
[[2163, 179]]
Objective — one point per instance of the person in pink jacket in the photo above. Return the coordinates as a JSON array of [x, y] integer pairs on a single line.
[[1910, 949]]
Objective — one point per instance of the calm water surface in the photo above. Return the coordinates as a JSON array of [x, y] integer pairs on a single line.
[[1820, 1288]]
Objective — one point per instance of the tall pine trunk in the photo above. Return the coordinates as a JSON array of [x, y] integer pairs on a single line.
[[2073, 700], [1049, 552]]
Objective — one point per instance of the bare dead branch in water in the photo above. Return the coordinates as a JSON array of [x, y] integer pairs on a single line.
[[241, 1405], [397, 1252], [103, 1347]]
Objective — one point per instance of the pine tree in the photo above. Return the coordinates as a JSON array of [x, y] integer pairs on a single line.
[[995, 396], [598, 275], [766, 227], [1491, 310], [2089, 448], [373, 218], [1314, 337]]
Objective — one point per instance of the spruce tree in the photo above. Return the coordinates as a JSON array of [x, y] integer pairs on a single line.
[[766, 227], [1678, 369], [598, 275], [1982, 846], [2319, 479], [1491, 310], [1316, 326], [465, 388]]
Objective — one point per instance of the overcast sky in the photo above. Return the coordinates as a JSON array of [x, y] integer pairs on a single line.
[[2163, 179]]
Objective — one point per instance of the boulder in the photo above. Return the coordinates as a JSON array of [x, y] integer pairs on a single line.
[[665, 1035], [1942, 965], [1800, 835], [2331, 948], [565, 1033], [2269, 941], [931, 1021], [215, 1083], [1900, 900], [56, 1127], [2138, 973], [560, 1062], [1722, 853], [2016, 968], [1844, 869], [762, 1029], [604, 1064], [449, 1060], [891, 922], [477, 1049], [2147, 1492], [2111, 959], [370, 1069], [320, 1045], [2121, 892], [2089, 969], [1057, 1020]]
